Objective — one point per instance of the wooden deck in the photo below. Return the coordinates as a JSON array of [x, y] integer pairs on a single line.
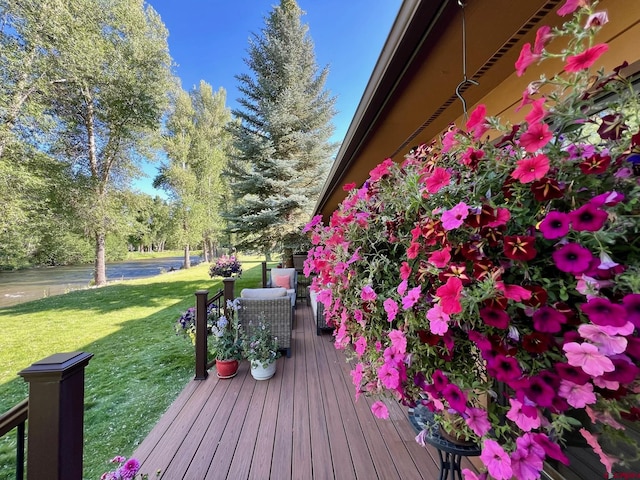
[[301, 424]]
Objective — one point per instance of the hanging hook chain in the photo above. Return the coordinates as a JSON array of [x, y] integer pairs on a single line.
[[465, 80]]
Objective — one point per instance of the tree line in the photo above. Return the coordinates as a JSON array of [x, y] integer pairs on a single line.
[[88, 94]]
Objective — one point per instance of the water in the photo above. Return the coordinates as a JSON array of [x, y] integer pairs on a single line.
[[31, 284]]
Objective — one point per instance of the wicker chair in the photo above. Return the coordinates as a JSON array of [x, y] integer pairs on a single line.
[[278, 313]]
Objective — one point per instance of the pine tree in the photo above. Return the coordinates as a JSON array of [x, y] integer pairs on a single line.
[[282, 148]]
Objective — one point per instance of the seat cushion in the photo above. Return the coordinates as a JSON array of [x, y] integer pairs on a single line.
[[263, 293]]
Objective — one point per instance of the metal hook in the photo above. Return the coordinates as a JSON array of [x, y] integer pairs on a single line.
[[465, 80]]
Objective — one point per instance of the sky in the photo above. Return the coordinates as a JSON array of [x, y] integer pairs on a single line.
[[208, 40]]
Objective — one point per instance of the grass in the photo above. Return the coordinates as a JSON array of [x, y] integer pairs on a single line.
[[139, 364]]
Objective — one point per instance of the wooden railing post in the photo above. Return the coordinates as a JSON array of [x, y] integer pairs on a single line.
[[201, 334], [56, 416], [264, 274], [229, 289]]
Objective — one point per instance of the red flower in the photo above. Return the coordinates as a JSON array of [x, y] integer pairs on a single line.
[[536, 342], [595, 164], [585, 59], [349, 186], [546, 189], [520, 247], [536, 137], [477, 123], [612, 127], [495, 317], [530, 169]]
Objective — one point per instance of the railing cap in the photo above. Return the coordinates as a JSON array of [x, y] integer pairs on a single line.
[[57, 364]]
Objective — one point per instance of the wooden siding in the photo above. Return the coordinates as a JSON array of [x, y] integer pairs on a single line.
[[301, 424]]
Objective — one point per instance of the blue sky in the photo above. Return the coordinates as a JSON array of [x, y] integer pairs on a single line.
[[208, 41]]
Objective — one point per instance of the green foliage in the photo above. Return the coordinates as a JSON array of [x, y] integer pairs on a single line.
[[281, 143], [258, 344]]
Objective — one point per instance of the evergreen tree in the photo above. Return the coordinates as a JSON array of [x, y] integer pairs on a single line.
[[282, 150]]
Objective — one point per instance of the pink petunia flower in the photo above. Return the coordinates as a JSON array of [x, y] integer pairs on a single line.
[[528, 459], [526, 58], [606, 343], [367, 294], [455, 397], [547, 319], [405, 271], [478, 420], [592, 440], [449, 295], [543, 35], [439, 179], [597, 19], [357, 374], [552, 449], [536, 137], [571, 6], [587, 357], [440, 258], [521, 419], [454, 217], [585, 59], [537, 113], [531, 168], [496, 460], [380, 410], [381, 170], [360, 346], [576, 395], [631, 303], [438, 320], [398, 341], [411, 298], [391, 307], [402, 288], [477, 123]]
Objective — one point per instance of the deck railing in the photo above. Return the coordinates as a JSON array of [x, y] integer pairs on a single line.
[[16, 418], [55, 411], [203, 304]]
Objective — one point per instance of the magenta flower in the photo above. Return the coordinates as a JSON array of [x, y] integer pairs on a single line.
[[411, 298], [531, 168], [398, 341], [539, 391], [389, 376], [496, 460], [525, 59], [405, 271], [588, 218], [449, 295], [440, 258], [496, 317], [367, 294], [380, 410], [537, 113], [555, 225], [631, 303], [439, 179], [587, 357], [357, 374], [360, 346], [478, 421], [454, 217], [570, 6], [572, 258], [548, 319], [578, 396], [129, 469], [602, 312], [455, 397], [505, 369], [543, 35], [552, 449], [477, 123], [402, 288], [585, 59], [381, 170], [391, 307], [527, 460]]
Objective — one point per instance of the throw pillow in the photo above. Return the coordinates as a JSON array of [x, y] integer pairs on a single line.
[[282, 281]]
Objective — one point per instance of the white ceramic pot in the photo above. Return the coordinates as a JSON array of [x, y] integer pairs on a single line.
[[263, 372]]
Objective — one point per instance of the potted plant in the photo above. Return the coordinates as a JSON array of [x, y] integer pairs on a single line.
[[260, 347], [225, 344], [225, 266], [496, 271]]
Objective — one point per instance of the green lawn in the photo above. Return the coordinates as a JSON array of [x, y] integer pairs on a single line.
[[139, 365]]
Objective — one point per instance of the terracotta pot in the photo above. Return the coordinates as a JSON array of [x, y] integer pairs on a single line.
[[227, 368]]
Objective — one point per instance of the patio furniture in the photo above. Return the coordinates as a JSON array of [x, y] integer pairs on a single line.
[[286, 278], [275, 305], [318, 313]]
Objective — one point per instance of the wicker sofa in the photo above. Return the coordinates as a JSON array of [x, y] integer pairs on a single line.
[[275, 304]]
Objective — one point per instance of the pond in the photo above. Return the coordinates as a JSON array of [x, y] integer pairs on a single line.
[[34, 283]]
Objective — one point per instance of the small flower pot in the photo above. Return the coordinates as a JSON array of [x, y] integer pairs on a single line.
[[227, 368], [261, 371]]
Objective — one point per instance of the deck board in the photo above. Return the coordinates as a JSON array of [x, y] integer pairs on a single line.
[[303, 423]]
